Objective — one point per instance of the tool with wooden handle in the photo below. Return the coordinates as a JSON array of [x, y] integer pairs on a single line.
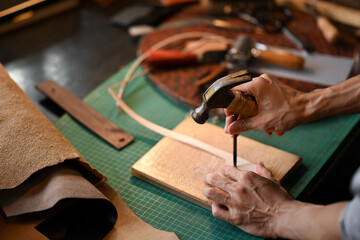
[[175, 58], [219, 95], [245, 48], [328, 30], [345, 15]]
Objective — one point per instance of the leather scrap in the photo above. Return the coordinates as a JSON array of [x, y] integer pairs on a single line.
[[47, 189]]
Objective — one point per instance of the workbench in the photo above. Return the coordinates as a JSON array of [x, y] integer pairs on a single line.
[[82, 52]]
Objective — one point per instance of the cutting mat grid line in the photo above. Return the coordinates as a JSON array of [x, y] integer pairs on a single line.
[[314, 142]]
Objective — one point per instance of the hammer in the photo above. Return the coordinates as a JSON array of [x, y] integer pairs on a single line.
[[219, 95], [245, 48]]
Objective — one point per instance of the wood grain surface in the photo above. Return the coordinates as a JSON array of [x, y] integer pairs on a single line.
[[180, 168]]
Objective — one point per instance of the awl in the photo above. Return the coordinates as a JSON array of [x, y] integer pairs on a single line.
[[219, 95]]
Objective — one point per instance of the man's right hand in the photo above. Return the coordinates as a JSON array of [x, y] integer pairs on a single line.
[[280, 107]]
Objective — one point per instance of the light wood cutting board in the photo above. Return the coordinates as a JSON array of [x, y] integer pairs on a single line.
[[179, 168]]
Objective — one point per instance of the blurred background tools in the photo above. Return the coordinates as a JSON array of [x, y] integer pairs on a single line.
[[273, 20], [238, 56], [245, 48], [333, 10], [330, 32], [328, 65], [18, 14], [168, 58]]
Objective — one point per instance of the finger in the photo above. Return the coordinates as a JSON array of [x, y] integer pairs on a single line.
[[279, 133], [245, 87], [266, 76], [240, 126], [268, 133], [231, 173], [264, 172], [228, 112], [216, 195], [228, 121], [217, 181], [220, 211]]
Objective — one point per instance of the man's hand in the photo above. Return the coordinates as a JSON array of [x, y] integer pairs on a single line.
[[280, 107], [247, 200]]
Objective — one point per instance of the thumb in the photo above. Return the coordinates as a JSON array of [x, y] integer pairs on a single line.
[[264, 172]]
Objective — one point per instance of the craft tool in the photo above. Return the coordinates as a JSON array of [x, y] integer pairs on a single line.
[[333, 11], [219, 95], [328, 30], [166, 58], [140, 30], [86, 115], [245, 48], [274, 20]]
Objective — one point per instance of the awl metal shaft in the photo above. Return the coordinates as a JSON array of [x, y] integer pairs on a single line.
[[235, 149]]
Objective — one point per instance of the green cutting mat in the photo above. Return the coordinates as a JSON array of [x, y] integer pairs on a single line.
[[314, 142]]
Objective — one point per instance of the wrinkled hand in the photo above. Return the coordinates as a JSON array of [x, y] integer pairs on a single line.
[[280, 108], [250, 201]]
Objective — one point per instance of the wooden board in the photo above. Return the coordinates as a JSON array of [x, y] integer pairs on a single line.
[[180, 168]]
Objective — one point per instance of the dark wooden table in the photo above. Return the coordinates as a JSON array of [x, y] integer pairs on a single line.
[[80, 49]]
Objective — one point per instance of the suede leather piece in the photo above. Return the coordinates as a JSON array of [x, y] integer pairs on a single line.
[[28, 140], [42, 197], [45, 190]]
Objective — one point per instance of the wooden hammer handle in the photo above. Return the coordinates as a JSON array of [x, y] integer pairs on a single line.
[[284, 60], [243, 104], [246, 106]]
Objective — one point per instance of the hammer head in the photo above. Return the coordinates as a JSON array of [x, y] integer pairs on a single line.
[[219, 95], [240, 53]]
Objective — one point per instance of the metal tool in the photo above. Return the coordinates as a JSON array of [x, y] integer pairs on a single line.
[[219, 95], [273, 20], [330, 32], [245, 48]]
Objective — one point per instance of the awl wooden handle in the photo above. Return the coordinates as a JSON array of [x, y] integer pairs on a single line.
[[243, 104], [284, 60]]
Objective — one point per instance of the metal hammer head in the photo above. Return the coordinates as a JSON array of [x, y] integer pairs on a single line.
[[218, 95], [240, 52]]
